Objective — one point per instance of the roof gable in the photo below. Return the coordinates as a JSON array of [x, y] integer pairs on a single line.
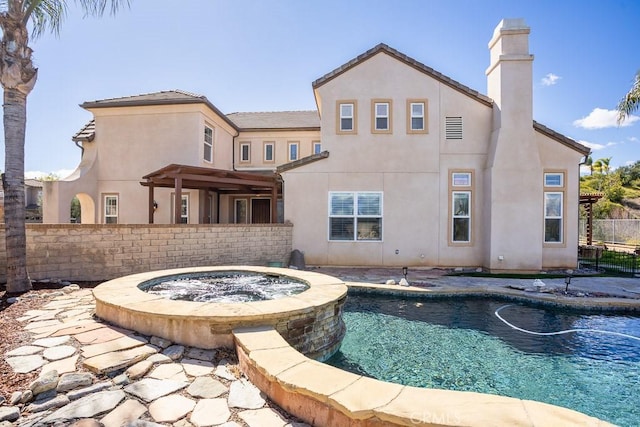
[[383, 48]]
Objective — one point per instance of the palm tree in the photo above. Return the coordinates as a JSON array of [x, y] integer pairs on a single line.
[[589, 164], [18, 77], [631, 101]]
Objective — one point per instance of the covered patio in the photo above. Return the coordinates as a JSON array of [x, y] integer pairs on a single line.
[[220, 181]]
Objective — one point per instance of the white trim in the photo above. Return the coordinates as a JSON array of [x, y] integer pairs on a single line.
[[455, 216], [106, 205], [347, 116], [208, 144], [297, 150], [550, 174], [412, 116], [377, 116], [355, 216]]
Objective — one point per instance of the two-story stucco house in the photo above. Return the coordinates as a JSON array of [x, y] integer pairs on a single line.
[[400, 165]]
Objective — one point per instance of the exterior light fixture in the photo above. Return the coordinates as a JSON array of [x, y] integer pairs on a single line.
[[567, 282], [155, 205], [405, 270]]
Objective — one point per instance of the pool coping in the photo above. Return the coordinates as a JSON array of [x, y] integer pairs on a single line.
[[323, 395]]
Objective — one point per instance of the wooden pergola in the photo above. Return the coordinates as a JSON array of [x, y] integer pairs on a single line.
[[588, 200], [217, 180]]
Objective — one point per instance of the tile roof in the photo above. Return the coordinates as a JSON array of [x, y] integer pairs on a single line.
[[169, 97], [307, 120], [87, 133], [584, 150], [383, 48]]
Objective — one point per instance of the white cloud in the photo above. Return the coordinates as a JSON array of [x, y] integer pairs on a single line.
[[600, 118], [633, 139], [60, 173], [550, 79], [595, 146]]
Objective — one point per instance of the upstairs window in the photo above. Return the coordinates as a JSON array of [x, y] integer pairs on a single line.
[[293, 151], [245, 152], [453, 127], [111, 209], [381, 117], [417, 116], [269, 151], [208, 144], [317, 147], [346, 117]]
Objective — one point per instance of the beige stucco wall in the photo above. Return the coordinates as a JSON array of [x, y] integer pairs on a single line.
[[412, 170], [506, 156], [281, 140], [102, 252], [130, 143]]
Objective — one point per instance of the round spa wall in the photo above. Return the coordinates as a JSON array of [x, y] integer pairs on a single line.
[[304, 307]]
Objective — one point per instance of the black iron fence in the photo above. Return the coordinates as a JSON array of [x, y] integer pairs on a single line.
[[601, 258]]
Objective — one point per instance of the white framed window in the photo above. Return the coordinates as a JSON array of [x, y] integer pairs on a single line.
[[381, 117], [554, 179], [110, 209], [355, 216], [245, 152], [269, 151], [293, 151], [461, 218], [209, 134], [416, 116], [461, 179], [553, 216], [317, 147], [346, 117]]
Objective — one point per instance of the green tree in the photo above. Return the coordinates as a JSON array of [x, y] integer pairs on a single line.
[[631, 101], [18, 77]]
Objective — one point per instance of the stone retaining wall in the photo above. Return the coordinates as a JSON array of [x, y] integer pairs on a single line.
[[84, 252]]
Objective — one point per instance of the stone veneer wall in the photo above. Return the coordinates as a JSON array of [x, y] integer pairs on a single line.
[[317, 334], [84, 252]]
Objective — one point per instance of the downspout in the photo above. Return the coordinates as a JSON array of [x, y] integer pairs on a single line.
[[81, 149]]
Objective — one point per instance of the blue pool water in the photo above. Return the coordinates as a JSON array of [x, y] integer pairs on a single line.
[[460, 344]]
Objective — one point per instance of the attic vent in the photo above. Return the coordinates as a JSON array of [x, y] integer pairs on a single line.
[[453, 127]]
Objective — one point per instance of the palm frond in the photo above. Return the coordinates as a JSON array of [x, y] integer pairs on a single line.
[[630, 102], [98, 7]]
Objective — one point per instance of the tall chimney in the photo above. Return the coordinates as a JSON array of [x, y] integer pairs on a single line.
[[513, 175]]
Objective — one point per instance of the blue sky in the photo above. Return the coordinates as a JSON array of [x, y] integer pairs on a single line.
[[264, 55]]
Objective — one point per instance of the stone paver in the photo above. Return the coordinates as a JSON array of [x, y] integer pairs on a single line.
[[197, 368], [149, 389], [243, 394], [170, 409], [265, 417], [63, 365], [169, 371], [210, 412], [98, 335], [25, 350], [109, 362], [129, 410], [24, 364], [59, 352], [122, 343], [89, 406], [52, 342], [206, 387]]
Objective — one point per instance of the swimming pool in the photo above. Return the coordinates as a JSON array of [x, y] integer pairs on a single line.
[[460, 344]]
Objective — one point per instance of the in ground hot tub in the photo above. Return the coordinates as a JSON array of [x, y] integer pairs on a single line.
[[310, 321]]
